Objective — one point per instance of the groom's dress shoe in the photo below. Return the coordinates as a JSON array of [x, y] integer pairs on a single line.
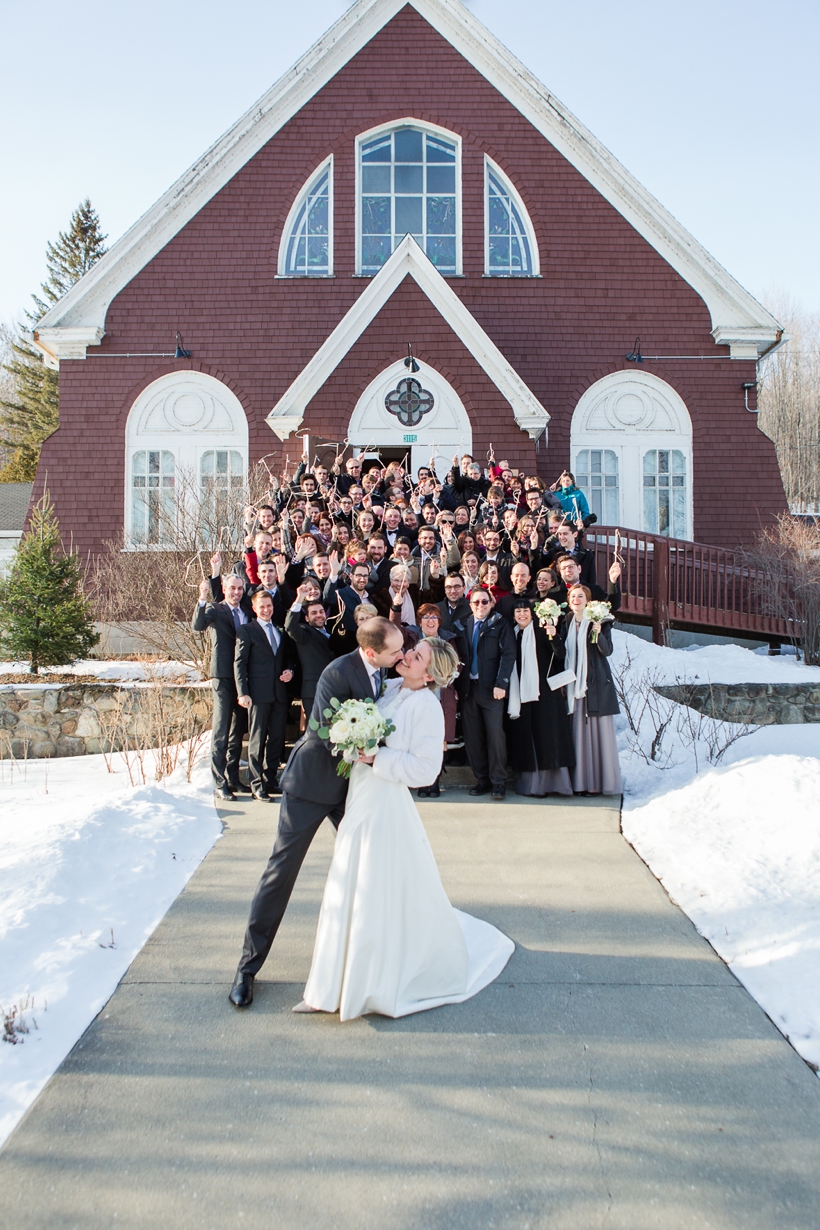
[[241, 993], [239, 787], [262, 796], [225, 792], [480, 788]]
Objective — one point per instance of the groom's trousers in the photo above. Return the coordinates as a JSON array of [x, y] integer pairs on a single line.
[[299, 821]]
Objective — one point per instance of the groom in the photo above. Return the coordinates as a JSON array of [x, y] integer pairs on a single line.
[[311, 790]]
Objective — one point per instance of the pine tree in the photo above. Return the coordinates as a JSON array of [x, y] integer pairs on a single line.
[[45, 617], [31, 415]]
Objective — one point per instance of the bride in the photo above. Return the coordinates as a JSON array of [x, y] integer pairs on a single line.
[[388, 939]]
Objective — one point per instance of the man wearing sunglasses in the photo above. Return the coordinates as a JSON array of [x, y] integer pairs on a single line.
[[486, 642]]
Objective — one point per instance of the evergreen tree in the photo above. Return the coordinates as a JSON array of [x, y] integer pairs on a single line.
[[31, 414], [45, 616]]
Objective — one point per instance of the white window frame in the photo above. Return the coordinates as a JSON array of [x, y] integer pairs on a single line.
[[489, 166], [422, 126], [327, 165]]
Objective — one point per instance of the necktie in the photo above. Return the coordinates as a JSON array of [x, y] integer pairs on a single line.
[[474, 660], [269, 630], [376, 680], [236, 621]]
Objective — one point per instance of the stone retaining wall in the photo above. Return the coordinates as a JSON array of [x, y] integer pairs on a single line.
[[80, 719], [759, 704]]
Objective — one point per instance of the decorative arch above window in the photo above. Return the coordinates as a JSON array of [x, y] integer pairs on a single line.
[[306, 250], [408, 183], [510, 248]]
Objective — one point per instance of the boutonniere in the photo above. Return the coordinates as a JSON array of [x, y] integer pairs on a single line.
[[383, 688]]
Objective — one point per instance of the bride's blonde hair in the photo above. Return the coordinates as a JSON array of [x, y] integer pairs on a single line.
[[444, 664]]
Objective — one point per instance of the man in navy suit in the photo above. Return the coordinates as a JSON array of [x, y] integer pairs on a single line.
[[311, 790], [222, 620], [354, 594], [262, 667]]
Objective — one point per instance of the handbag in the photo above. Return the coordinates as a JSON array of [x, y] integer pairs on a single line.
[[554, 682]]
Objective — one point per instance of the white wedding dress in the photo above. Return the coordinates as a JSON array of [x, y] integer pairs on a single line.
[[388, 939]]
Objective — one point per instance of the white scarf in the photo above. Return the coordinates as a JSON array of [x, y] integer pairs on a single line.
[[577, 661], [526, 689]]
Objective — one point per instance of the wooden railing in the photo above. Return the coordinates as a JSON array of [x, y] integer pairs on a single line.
[[668, 582]]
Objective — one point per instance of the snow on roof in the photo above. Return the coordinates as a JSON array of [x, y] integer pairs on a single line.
[[14, 502]]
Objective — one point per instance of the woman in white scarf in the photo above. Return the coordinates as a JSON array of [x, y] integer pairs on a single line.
[[591, 698], [539, 730]]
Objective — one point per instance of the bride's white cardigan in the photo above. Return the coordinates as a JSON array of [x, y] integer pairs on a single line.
[[413, 753]]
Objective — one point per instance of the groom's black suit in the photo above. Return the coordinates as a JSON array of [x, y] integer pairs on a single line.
[[311, 790]]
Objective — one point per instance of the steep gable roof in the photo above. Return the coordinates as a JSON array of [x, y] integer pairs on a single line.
[[78, 320], [408, 260]]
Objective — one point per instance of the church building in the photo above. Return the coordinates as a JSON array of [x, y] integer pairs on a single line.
[[409, 182]]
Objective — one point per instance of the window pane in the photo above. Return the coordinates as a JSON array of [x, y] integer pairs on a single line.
[[499, 253], [417, 197], [408, 215], [596, 473], [498, 217], [665, 499], [318, 216], [375, 179], [376, 215], [303, 256], [317, 252], [408, 145], [504, 218]]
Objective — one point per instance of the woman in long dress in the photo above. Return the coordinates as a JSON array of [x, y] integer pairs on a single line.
[[388, 939], [591, 698], [539, 728]]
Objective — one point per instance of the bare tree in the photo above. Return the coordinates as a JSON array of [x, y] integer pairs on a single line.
[[147, 584], [786, 562], [789, 402]]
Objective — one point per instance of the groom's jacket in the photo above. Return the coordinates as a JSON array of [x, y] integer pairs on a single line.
[[311, 771]]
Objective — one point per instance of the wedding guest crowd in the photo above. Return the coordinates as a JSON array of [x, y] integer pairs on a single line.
[[490, 561]]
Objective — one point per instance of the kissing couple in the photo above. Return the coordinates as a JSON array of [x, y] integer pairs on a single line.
[[388, 939]]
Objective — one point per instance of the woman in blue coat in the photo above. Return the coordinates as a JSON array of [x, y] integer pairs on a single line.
[[573, 500]]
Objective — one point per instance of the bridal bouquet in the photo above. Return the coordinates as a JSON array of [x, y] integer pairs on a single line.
[[550, 610], [353, 726], [597, 613]]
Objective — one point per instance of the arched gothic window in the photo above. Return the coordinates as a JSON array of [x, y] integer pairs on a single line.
[[509, 240], [307, 240], [409, 184]]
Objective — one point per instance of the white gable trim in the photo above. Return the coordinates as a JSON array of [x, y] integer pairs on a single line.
[[734, 312], [408, 259]]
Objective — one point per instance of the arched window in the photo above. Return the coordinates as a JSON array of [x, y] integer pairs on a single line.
[[596, 473], [510, 250], [186, 458], [307, 240], [409, 184]]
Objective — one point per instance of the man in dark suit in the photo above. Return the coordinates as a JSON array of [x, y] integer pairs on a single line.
[[312, 789], [494, 555], [262, 667], [315, 645], [354, 594], [486, 642], [522, 587], [567, 536], [222, 620], [454, 606], [570, 572]]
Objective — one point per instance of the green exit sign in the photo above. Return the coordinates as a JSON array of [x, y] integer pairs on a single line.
[[411, 439]]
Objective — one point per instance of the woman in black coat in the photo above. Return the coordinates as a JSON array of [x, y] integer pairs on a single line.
[[591, 698], [539, 730]]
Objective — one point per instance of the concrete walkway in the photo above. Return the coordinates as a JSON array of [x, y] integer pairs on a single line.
[[616, 1075]]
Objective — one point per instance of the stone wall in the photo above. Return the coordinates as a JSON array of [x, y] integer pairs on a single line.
[[759, 704], [80, 719]]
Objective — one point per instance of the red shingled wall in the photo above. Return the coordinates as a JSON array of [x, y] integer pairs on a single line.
[[602, 284]]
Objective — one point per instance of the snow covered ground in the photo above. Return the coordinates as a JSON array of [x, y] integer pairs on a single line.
[[88, 867], [735, 843], [109, 670]]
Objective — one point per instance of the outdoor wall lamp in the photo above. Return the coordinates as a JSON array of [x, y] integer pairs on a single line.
[[181, 352], [635, 356], [748, 384], [410, 363]]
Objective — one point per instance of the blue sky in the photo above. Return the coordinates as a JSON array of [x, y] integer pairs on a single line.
[[714, 107]]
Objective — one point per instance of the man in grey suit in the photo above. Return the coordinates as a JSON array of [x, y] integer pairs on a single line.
[[311, 790], [263, 666]]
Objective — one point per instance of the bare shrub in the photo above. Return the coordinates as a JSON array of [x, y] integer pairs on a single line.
[[786, 562]]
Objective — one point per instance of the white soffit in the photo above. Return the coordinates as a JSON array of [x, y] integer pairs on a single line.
[[734, 312], [408, 259]]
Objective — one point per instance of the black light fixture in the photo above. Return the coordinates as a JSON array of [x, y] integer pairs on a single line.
[[635, 356], [748, 384], [181, 352], [410, 363]]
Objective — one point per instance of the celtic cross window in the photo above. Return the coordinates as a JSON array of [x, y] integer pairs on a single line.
[[409, 402]]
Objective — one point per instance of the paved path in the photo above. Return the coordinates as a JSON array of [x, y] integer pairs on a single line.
[[616, 1075]]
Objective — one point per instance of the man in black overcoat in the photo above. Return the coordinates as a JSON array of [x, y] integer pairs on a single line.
[[311, 790], [486, 643], [222, 621], [263, 665]]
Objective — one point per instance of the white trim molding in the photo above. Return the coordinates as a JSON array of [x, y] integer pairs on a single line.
[[64, 343], [730, 306], [408, 260]]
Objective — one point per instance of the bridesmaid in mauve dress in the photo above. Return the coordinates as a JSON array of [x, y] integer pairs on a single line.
[[591, 698]]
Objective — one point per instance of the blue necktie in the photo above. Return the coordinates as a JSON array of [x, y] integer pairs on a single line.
[[474, 659], [236, 621]]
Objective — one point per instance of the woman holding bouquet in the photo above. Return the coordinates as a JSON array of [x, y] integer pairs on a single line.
[[539, 728], [389, 940], [591, 698]]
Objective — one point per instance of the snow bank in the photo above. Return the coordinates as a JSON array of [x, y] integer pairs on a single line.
[[107, 671], [82, 855], [736, 843]]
